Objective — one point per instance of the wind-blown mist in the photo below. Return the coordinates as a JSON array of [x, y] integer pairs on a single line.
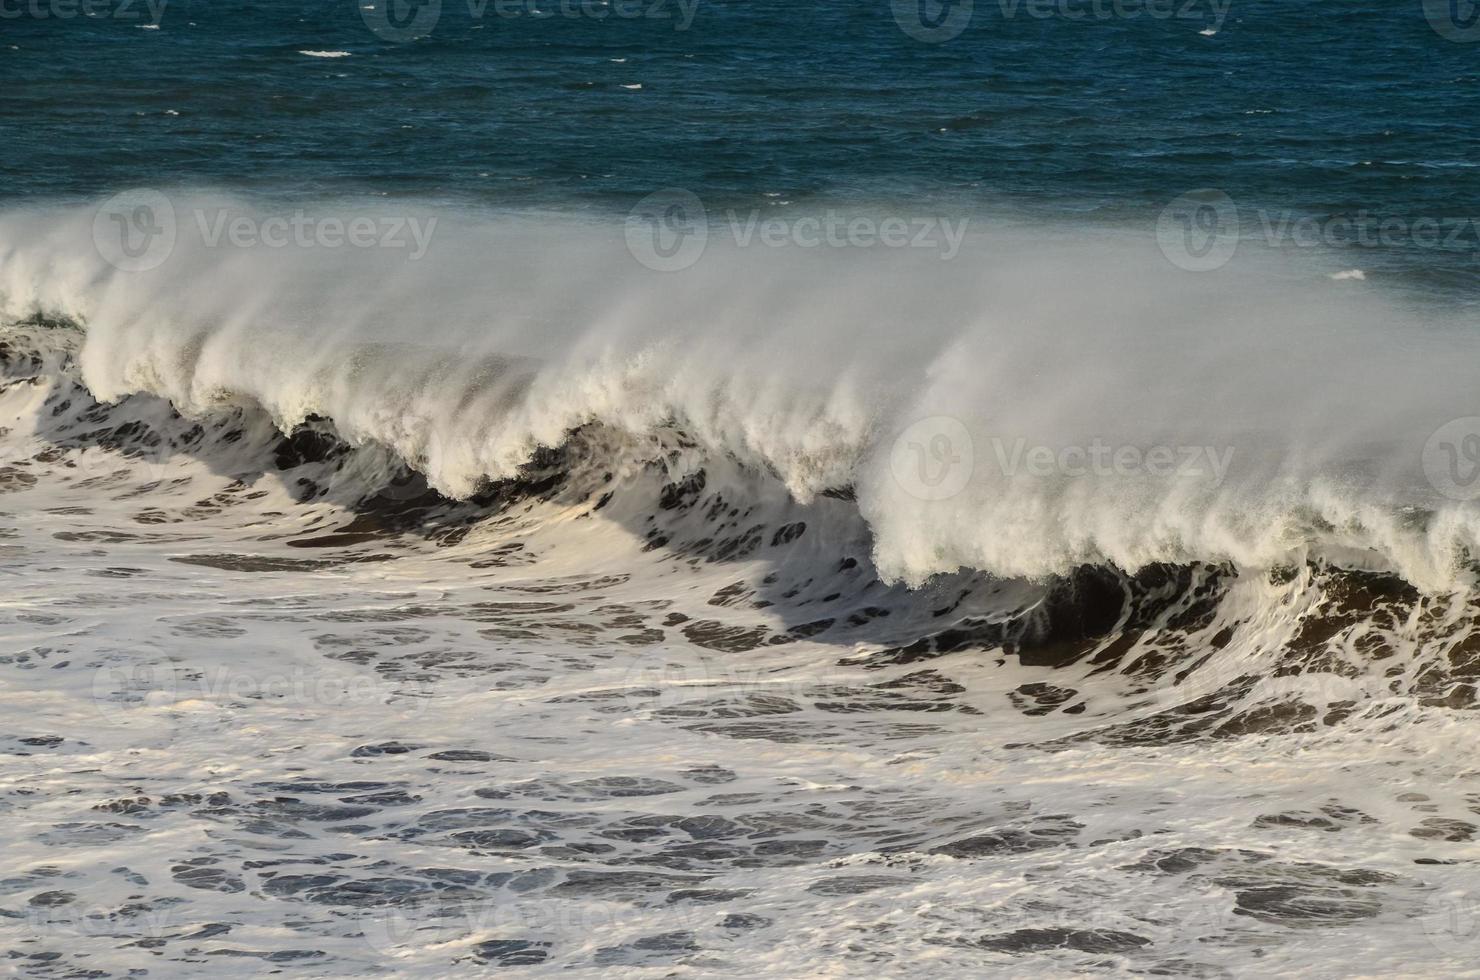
[[1293, 409]]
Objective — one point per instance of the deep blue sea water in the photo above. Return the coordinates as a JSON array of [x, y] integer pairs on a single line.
[[1320, 105]]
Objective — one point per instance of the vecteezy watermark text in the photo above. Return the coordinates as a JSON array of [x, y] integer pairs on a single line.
[[120, 690], [837, 230], [137, 230], [409, 20], [148, 11], [1201, 230], [1100, 458], [669, 230], [301, 230], [937, 21], [936, 458]]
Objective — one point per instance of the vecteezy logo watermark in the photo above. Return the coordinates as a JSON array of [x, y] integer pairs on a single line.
[[407, 20], [937, 21], [135, 230], [1454, 20], [932, 21], [122, 691], [933, 459], [668, 231], [151, 11], [1199, 231], [400, 20], [1451, 920], [936, 458], [1451, 459]]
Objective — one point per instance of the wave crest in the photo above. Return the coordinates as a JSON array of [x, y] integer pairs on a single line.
[[1073, 384]]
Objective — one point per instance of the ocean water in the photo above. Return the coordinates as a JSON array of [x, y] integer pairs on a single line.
[[688, 488]]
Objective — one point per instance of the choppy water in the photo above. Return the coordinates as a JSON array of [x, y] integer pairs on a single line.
[[628, 555]]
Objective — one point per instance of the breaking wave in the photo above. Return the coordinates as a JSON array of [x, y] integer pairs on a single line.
[[786, 408], [1099, 405]]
